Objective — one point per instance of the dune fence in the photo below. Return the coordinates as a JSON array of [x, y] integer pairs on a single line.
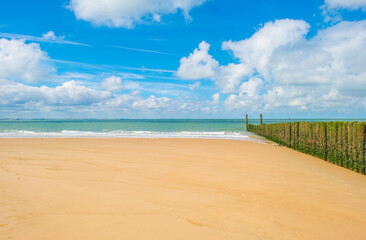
[[341, 143]]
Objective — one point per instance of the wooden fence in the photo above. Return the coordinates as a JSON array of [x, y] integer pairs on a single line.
[[341, 143]]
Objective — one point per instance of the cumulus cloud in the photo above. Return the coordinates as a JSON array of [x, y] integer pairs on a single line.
[[50, 35], [257, 50], [322, 74], [335, 57], [252, 87], [23, 62], [126, 13], [134, 101], [199, 64], [69, 93], [254, 54], [346, 4], [74, 96], [228, 77], [151, 102], [112, 83], [279, 68]]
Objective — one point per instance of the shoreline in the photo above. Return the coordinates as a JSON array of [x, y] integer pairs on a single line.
[[170, 188], [255, 139], [152, 135]]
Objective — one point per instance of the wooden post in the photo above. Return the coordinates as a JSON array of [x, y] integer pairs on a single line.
[[261, 121], [246, 121]]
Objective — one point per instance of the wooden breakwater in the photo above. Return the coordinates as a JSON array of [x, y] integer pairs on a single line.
[[341, 143]]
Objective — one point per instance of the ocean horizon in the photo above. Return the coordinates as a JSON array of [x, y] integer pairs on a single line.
[[137, 128]]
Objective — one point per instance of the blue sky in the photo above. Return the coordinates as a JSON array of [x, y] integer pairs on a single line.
[[182, 58]]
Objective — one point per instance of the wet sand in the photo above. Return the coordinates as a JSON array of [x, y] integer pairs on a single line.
[[174, 189]]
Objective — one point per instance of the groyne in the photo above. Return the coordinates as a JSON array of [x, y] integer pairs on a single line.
[[341, 143]]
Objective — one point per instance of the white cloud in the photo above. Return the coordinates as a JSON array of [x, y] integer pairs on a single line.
[[130, 85], [257, 50], [112, 83], [333, 95], [228, 77], [127, 13], [346, 4], [252, 87], [195, 85], [331, 8], [75, 97], [198, 64], [69, 93], [23, 62], [151, 102], [331, 15], [216, 97], [143, 50], [67, 76], [334, 57], [50, 35], [163, 105], [280, 69], [156, 17], [254, 54]]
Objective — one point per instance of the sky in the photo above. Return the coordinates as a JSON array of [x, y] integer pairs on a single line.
[[183, 58]]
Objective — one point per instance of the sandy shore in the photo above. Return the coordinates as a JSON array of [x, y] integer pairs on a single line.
[[174, 189]]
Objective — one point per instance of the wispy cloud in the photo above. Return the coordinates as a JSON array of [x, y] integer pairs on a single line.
[[162, 77], [143, 50], [156, 39], [75, 76], [44, 38], [143, 69], [105, 67]]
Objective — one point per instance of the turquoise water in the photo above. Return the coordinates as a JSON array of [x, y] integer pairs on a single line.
[[175, 128], [164, 125]]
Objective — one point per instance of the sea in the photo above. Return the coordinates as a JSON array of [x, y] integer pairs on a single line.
[[136, 128]]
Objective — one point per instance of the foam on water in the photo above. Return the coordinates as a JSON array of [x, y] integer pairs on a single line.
[[126, 134]]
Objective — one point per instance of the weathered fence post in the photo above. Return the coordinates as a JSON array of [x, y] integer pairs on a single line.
[[246, 121], [261, 120]]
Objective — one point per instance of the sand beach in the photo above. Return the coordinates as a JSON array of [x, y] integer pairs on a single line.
[[92, 188]]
